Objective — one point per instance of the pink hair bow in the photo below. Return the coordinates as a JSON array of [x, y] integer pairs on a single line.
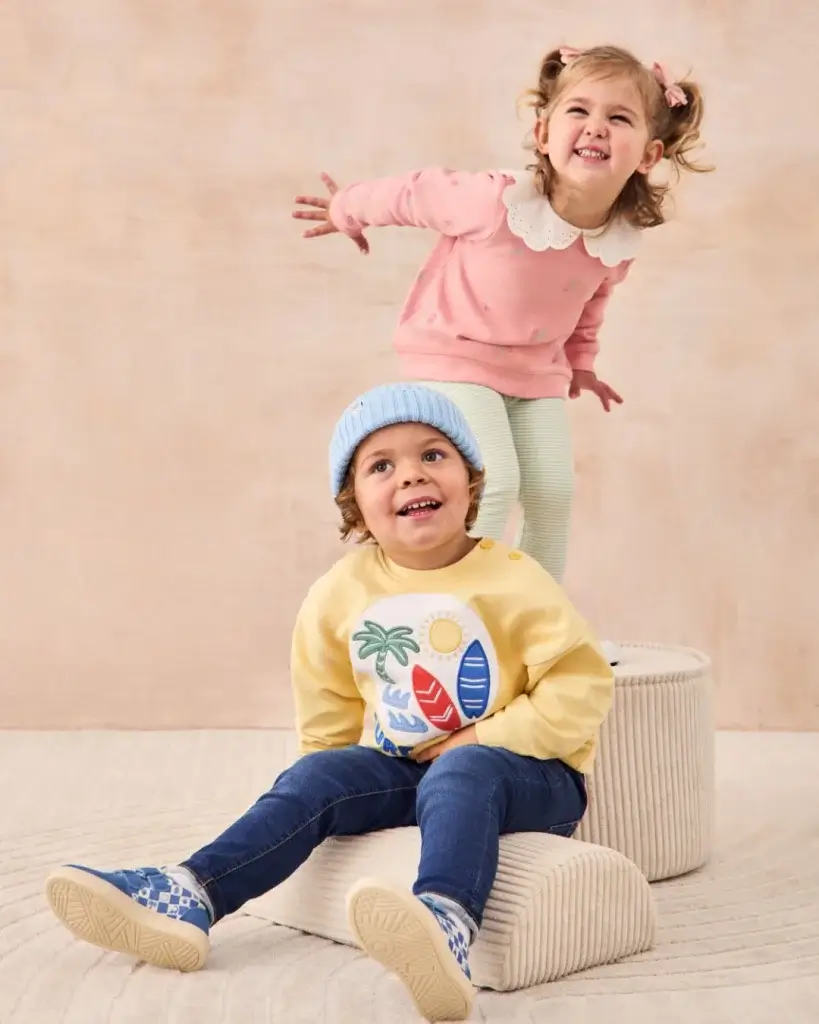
[[674, 95], [568, 54]]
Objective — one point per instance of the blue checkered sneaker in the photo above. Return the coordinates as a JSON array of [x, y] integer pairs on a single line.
[[153, 889], [458, 941], [145, 912]]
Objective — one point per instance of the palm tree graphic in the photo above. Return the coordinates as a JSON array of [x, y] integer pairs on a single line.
[[383, 643]]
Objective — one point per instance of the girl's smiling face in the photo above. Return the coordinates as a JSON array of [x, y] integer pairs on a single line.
[[597, 135]]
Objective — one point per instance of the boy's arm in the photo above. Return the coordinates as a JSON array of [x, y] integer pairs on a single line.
[[329, 707], [569, 689], [582, 347], [455, 203]]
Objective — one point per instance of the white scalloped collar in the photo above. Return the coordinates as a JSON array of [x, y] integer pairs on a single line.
[[531, 218]]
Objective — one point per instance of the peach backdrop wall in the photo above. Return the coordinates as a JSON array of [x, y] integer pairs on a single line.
[[173, 355]]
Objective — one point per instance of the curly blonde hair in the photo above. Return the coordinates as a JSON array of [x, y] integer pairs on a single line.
[[352, 521], [678, 128]]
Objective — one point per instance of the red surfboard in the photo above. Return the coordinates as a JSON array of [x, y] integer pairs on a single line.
[[434, 701]]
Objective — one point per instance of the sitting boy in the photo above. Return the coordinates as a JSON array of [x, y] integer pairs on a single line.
[[439, 680]]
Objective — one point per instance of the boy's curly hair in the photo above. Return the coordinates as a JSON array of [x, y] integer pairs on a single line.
[[352, 522], [678, 128]]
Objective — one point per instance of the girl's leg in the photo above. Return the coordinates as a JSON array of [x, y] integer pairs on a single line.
[[468, 798], [540, 428], [163, 915], [485, 412]]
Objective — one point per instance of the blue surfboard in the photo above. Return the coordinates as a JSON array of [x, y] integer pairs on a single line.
[[474, 681]]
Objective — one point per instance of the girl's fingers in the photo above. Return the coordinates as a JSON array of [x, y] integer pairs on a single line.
[[332, 188], [325, 229], [310, 215], [318, 201]]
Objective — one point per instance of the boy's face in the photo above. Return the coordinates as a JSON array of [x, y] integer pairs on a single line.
[[412, 489]]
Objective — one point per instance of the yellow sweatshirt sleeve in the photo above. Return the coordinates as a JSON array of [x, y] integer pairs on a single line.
[[329, 706], [569, 687]]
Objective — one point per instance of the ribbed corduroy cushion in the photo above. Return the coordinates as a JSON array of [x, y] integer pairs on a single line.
[[651, 794], [558, 905]]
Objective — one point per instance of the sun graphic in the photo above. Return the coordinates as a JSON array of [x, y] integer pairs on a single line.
[[444, 636]]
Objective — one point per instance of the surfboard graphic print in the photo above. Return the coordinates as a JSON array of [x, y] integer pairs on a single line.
[[473, 681], [434, 702], [426, 665]]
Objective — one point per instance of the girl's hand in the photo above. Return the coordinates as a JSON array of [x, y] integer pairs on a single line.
[[586, 380], [461, 738], [321, 212]]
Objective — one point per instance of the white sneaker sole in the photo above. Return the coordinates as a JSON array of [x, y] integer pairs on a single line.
[[99, 913], [397, 930]]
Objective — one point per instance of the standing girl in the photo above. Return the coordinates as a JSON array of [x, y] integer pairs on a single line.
[[504, 315]]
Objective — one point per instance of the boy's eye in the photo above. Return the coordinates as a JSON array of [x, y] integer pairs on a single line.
[[380, 467], [433, 455]]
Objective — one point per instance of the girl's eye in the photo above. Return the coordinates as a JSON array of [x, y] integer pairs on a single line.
[[577, 110], [620, 117], [433, 456], [380, 467]]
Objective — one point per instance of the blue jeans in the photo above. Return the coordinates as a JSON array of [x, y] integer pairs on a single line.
[[462, 802]]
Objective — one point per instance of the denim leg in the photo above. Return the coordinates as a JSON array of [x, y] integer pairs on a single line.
[[472, 795], [342, 792]]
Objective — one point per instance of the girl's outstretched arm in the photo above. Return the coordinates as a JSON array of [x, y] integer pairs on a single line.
[[454, 203]]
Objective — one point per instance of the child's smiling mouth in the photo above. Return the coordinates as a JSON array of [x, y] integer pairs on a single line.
[[421, 508]]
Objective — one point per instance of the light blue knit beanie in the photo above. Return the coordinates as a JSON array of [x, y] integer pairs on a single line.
[[388, 404]]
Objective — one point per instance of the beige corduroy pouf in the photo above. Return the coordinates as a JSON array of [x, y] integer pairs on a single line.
[[651, 794], [557, 906]]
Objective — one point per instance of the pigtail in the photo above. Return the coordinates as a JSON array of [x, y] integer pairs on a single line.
[[541, 96], [678, 128], [540, 99], [681, 132]]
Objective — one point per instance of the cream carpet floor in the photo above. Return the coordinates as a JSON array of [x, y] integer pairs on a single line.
[[738, 940]]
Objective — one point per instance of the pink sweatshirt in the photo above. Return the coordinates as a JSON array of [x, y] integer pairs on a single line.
[[511, 296]]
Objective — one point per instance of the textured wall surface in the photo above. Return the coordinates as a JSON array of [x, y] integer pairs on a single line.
[[173, 355]]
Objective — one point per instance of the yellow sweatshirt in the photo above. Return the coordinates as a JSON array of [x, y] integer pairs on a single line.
[[399, 658]]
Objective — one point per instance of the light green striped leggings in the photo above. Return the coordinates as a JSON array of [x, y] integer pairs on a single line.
[[526, 448]]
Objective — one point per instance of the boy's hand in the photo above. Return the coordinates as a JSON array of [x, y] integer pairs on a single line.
[[321, 212], [461, 738], [586, 380]]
